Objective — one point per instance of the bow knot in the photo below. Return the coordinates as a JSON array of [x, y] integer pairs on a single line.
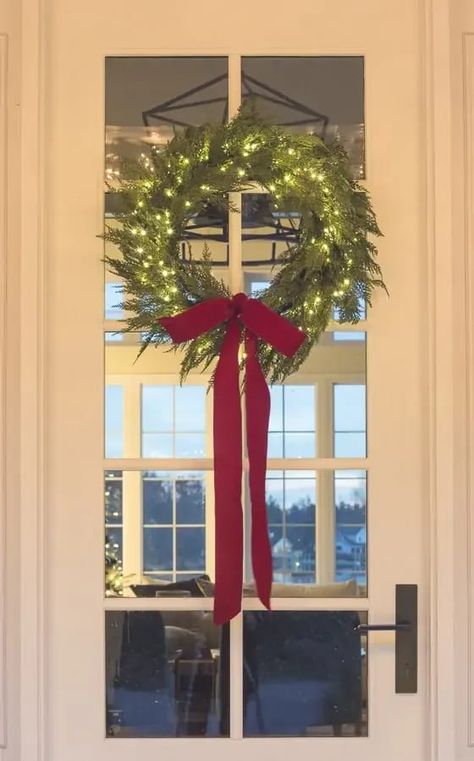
[[259, 322], [238, 302]]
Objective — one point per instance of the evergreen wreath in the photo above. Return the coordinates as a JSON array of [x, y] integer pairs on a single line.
[[329, 268]]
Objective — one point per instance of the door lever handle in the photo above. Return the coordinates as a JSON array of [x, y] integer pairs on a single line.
[[406, 637], [401, 627]]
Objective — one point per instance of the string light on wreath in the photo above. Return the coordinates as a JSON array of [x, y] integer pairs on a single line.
[[331, 264]]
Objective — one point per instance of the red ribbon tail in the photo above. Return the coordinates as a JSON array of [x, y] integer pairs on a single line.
[[257, 406], [228, 479]]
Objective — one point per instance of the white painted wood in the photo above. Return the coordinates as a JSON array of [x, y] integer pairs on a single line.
[[468, 71], [74, 606], [31, 314], [3, 378]]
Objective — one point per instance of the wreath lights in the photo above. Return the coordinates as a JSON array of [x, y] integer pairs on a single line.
[[331, 265]]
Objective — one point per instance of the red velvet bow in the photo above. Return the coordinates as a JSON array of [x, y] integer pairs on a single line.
[[259, 322]]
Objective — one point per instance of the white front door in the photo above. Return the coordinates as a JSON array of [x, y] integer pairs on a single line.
[[133, 675]]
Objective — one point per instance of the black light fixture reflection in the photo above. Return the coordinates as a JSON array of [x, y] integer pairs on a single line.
[[251, 89]]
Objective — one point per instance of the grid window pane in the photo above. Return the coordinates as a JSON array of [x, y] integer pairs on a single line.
[[190, 413], [157, 502], [190, 445], [190, 549], [176, 500], [113, 499], [157, 408], [157, 549], [349, 420], [299, 408], [190, 501], [113, 300], [350, 500], [173, 421], [292, 427], [291, 510], [114, 543], [114, 421], [157, 445]]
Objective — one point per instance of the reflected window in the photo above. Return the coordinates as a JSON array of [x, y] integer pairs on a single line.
[[349, 420], [350, 503], [114, 421], [292, 428], [113, 300], [113, 496], [173, 421], [174, 519], [291, 511]]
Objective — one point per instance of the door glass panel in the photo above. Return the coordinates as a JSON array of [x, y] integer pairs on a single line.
[[167, 674], [168, 671], [159, 531], [147, 100], [316, 95], [321, 412], [305, 674]]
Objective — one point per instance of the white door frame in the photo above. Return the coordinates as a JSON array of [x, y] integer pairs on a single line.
[[435, 46]]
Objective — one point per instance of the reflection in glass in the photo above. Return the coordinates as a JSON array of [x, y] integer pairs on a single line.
[[173, 421], [292, 428], [114, 421], [350, 499], [349, 420], [113, 299], [305, 674], [323, 552], [174, 517], [147, 100], [167, 674], [291, 501], [157, 549], [311, 94]]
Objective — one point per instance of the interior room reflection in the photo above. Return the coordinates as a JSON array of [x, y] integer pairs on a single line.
[[304, 674], [148, 99], [159, 521]]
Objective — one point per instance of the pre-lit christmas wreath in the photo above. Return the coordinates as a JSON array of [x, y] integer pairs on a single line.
[[330, 265]]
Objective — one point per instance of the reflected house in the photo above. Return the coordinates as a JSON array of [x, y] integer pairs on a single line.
[[351, 542], [292, 565]]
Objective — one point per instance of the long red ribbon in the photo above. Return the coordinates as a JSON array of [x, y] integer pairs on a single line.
[[259, 322]]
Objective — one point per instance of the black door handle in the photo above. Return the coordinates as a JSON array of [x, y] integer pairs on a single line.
[[364, 628], [406, 637]]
